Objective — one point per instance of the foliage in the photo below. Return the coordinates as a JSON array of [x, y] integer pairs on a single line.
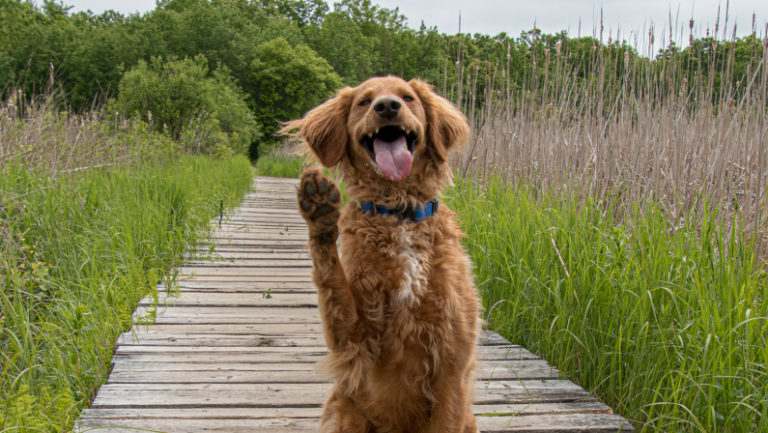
[[291, 80], [85, 54], [207, 113], [668, 326], [77, 253]]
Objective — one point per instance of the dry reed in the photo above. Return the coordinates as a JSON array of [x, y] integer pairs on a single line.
[[629, 130], [36, 133]]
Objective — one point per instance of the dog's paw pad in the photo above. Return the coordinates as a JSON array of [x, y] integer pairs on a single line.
[[305, 204], [310, 188], [323, 187], [319, 201], [323, 209]]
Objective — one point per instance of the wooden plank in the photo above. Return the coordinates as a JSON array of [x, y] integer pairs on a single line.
[[218, 315], [256, 243], [306, 353], [213, 299], [248, 272], [250, 284], [249, 238], [220, 252], [253, 339], [197, 340], [245, 290], [203, 248], [128, 371], [296, 229], [298, 329], [175, 395], [561, 423], [217, 279], [315, 412], [250, 263]]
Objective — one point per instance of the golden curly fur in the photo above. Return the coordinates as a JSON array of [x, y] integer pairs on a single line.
[[399, 309]]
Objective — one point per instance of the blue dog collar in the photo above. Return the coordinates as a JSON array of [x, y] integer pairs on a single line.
[[418, 213]]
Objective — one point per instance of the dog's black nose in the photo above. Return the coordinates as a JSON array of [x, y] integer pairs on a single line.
[[387, 107]]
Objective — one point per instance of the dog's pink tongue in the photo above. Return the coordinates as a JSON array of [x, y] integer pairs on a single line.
[[393, 157]]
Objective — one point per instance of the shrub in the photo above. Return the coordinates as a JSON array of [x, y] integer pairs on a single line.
[[206, 112], [290, 81]]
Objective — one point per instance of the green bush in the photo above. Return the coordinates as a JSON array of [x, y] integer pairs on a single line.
[[206, 112], [290, 81]]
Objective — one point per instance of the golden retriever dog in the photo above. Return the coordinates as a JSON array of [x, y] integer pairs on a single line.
[[399, 309]]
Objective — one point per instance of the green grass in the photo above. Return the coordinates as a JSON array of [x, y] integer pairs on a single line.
[[667, 324], [77, 253], [276, 165]]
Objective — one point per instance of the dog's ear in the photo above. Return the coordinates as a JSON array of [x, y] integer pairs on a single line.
[[446, 125], [324, 128]]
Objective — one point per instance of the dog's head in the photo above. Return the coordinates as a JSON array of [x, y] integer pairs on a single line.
[[389, 138]]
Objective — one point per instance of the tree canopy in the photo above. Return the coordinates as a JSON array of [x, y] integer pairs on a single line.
[[286, 55]]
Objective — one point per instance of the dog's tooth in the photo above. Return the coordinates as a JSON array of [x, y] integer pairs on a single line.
[[377, 131]]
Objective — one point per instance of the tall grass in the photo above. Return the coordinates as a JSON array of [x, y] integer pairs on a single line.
[[280, 164], [91, 218], [669, 328], [617, 212], [36, 133], [617, 122]]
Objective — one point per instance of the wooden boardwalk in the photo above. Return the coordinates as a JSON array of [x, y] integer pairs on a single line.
[[236, 351]]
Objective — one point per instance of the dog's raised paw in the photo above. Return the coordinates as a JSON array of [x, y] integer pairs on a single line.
[[319, 201]]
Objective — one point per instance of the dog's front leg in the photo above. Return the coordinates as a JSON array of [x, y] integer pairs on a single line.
[[319, 202], [452, 412]]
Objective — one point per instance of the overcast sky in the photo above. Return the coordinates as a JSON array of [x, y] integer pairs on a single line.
[[630, 17]]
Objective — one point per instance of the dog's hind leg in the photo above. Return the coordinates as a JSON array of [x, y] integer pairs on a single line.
[[319, 202]]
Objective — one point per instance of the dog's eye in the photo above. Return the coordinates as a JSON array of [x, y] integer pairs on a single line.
[[364, 102], [407, 99]]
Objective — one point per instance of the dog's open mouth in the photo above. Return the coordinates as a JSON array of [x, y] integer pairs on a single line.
[[391, 147]]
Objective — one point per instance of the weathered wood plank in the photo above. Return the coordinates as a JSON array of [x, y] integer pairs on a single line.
[[246, 272], [250, 263], [234, 300], [223, 279], [315, 412], [154, 353], [547, 423], [300, 329], [219, 315], [127, 371], [253, 255], [250, 284], [255, 339], [175, 395]]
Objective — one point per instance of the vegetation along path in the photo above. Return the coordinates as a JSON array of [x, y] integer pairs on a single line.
[[236, 351]]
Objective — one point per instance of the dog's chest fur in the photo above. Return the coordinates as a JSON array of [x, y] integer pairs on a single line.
[[389, 266]]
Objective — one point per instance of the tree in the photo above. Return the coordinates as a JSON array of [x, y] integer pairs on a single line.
[[343, 45], [289, 81]]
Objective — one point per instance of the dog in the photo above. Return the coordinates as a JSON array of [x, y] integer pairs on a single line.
[[399, 309]]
